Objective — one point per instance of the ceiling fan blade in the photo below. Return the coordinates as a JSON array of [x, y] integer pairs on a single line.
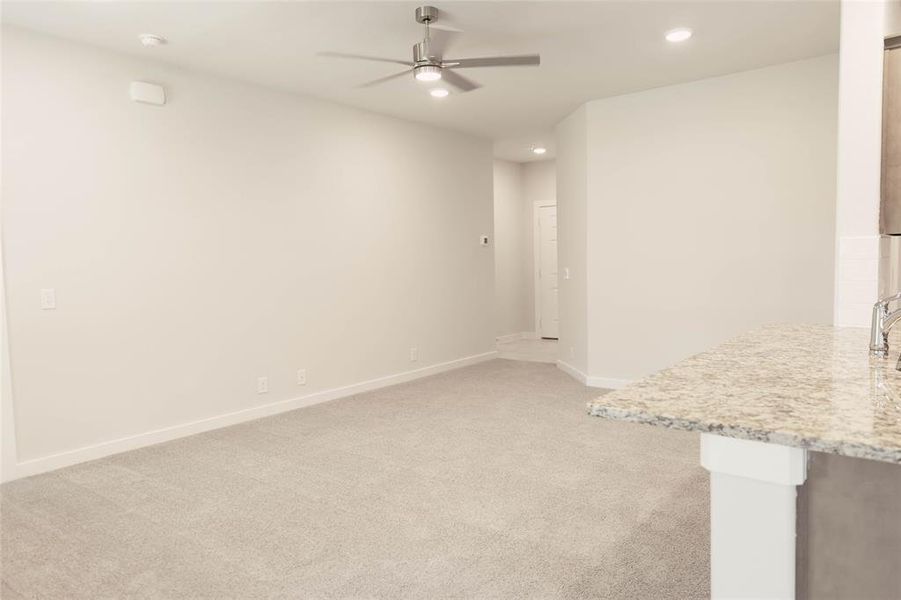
[[445, 27], [458, 81], [364, 57], [524, 60], [384, 79]]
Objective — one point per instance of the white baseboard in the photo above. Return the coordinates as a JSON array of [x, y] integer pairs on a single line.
[[510, 337], [607, 383], [572, 372], [71, 457]]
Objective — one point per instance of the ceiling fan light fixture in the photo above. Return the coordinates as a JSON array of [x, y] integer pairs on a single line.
[[427, 72], [439, 93], [539, 150], [678, 35]]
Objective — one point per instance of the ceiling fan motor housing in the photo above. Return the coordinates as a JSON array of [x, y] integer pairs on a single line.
[[422, 54], [426, 14]]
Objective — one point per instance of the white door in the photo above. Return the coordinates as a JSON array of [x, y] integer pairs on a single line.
[[547, 272]]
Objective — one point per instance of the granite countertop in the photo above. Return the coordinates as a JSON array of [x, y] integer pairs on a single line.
[[808, 386]]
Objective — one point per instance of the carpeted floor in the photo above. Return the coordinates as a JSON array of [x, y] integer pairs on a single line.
[[486, 482], [539, 350]]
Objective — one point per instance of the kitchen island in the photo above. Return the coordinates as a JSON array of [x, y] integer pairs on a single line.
[[761, 402]]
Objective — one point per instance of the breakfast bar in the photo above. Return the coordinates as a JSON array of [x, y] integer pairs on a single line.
[[760, 402]]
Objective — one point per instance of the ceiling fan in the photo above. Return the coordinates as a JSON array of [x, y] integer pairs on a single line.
[[428, 64]]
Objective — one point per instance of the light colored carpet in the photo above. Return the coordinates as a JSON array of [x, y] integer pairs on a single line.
[[540, 350], [486, 482]]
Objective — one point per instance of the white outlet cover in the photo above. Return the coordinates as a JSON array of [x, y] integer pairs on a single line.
[[301, 376], [148, 93], [262, 385], [414, 354], [48, 299]]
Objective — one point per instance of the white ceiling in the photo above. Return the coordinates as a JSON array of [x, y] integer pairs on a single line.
[[588, 49]]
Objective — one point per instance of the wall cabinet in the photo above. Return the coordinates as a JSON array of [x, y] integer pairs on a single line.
[[890, 213]]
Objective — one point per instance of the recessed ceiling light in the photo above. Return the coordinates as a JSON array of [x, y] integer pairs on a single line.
[[439, 93], [678, 35], [427, 73], [150, 40], [539, 150]]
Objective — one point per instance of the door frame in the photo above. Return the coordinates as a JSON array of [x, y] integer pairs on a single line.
[[537, 205]]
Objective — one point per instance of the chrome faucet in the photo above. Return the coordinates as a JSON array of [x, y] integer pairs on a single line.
[[882, 324]]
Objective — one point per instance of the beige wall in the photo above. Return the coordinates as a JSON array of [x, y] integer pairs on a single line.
[[234, 233], [540, 181], [892, 18], [710, 210], [571, 136], [517, 187], [539, 185], [512, 246]]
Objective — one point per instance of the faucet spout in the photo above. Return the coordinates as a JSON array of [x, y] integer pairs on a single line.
[[883, 320]]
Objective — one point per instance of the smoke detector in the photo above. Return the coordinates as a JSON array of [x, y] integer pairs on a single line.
[[151, 40]]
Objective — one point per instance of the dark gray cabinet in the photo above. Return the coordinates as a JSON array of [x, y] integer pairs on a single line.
[[890, 210]]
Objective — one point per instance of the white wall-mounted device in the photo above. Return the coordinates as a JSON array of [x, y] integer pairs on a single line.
[[48, 299], [483, 240], [149, 93]]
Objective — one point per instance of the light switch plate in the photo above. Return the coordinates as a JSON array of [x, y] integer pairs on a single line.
[[48, 299], [148, 93], [301, 376]]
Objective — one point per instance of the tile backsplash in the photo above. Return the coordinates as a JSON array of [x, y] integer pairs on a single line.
[[858, 279]]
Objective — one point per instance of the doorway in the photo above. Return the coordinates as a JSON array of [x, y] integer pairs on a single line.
[[545, 254]]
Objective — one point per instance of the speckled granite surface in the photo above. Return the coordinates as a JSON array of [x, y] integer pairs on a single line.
[[809, 386]]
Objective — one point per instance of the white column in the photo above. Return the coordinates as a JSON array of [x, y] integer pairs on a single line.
[[753, 492]]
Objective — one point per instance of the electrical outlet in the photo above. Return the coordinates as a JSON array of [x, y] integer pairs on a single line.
[[301, 376], [48, 299], [262, 385], [414, 354]]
